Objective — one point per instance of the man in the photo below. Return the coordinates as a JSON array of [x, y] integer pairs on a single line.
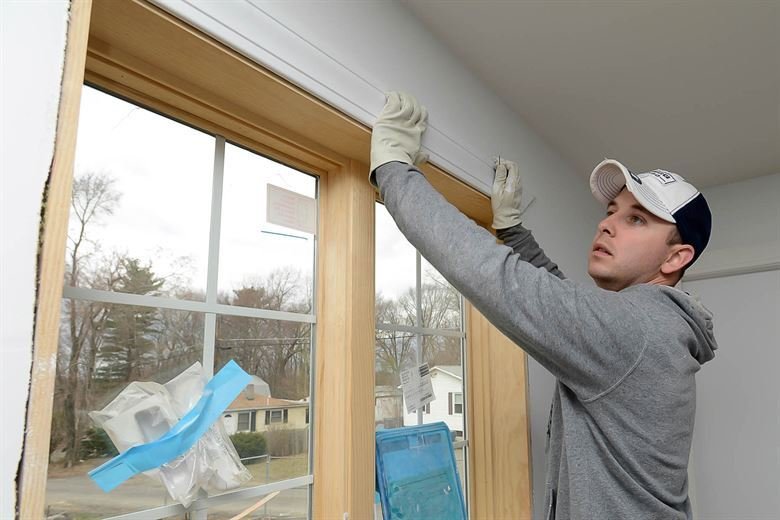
[[624, 352]]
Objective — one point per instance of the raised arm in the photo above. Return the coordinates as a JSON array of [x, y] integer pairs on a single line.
[[578, 333]]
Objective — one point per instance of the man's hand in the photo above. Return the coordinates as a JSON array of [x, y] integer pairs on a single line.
[[506, 194], [397, 133]]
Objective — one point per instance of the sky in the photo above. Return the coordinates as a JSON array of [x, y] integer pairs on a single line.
[[163, 170]]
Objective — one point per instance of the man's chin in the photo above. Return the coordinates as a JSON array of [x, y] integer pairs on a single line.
[[602, 281]]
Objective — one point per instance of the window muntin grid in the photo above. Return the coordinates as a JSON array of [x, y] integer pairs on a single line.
[[160, 311]]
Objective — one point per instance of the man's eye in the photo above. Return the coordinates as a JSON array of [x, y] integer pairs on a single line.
[[635, 219]]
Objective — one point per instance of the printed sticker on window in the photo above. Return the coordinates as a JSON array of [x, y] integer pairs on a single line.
[[417, 387], [291, 210]]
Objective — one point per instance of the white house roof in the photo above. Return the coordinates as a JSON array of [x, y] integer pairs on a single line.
[[453, 370]]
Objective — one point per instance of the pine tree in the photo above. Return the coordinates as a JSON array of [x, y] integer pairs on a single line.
[[129, 332]]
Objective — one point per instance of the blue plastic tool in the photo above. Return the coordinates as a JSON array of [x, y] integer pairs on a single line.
[[417, 477]]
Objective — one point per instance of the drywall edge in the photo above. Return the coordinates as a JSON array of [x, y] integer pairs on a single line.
[[33, 53]]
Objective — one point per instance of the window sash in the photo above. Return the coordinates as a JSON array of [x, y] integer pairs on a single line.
[[211, 309]]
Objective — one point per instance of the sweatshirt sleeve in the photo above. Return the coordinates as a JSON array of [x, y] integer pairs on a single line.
[[523, 243], [586, 337]]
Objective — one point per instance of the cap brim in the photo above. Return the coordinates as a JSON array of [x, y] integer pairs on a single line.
[[609, 178]]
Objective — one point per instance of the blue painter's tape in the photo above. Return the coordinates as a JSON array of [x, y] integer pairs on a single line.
[[223, 388]]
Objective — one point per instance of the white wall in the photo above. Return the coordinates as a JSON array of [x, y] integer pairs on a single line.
[[745, 227], [33, 45], [735, 466]]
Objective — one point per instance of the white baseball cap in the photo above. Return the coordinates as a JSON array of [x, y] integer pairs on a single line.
[[662, 193]]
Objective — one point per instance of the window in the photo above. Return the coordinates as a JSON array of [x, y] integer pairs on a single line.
[[239, 102], [174, 258], [456, 403], [244, 421], [418, 320]]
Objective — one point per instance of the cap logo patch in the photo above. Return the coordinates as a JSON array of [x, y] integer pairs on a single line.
[[663, 176], [636, 179]]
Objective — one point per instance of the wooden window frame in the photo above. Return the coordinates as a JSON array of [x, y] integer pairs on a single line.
[[139, 52]]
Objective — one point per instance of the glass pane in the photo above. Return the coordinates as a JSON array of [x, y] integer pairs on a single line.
[[263, 265], [290, 504], [396, 272], [395, 351], [395, 304], [102, 348], [277, 355], [447, 383], [73, 493], [141, 192], [460, 463], [440, 301]]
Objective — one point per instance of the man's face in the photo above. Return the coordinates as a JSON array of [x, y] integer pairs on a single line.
[[630, 245]]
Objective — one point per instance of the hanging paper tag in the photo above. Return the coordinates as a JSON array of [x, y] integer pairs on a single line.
[[417, 387]]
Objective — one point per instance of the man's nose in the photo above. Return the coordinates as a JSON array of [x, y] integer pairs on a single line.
[[607, 226]]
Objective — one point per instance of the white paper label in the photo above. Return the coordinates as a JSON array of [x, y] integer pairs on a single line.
[[292, 210], [417, 387]]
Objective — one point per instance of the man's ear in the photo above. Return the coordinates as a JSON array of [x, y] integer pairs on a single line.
[[680, 255]]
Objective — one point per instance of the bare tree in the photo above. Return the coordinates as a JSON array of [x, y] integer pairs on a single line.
[[439, 309], [275, 350], [94, 197], [394, 350]]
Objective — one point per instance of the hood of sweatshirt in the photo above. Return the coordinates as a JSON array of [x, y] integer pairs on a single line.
[[699, 318]]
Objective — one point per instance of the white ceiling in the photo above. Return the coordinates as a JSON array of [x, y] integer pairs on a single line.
[[689, 86]]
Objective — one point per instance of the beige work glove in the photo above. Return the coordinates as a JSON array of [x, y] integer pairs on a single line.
[[397, 133], [506, 194]]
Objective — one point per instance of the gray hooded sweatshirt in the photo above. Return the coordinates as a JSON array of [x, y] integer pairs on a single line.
[[622, 415]]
